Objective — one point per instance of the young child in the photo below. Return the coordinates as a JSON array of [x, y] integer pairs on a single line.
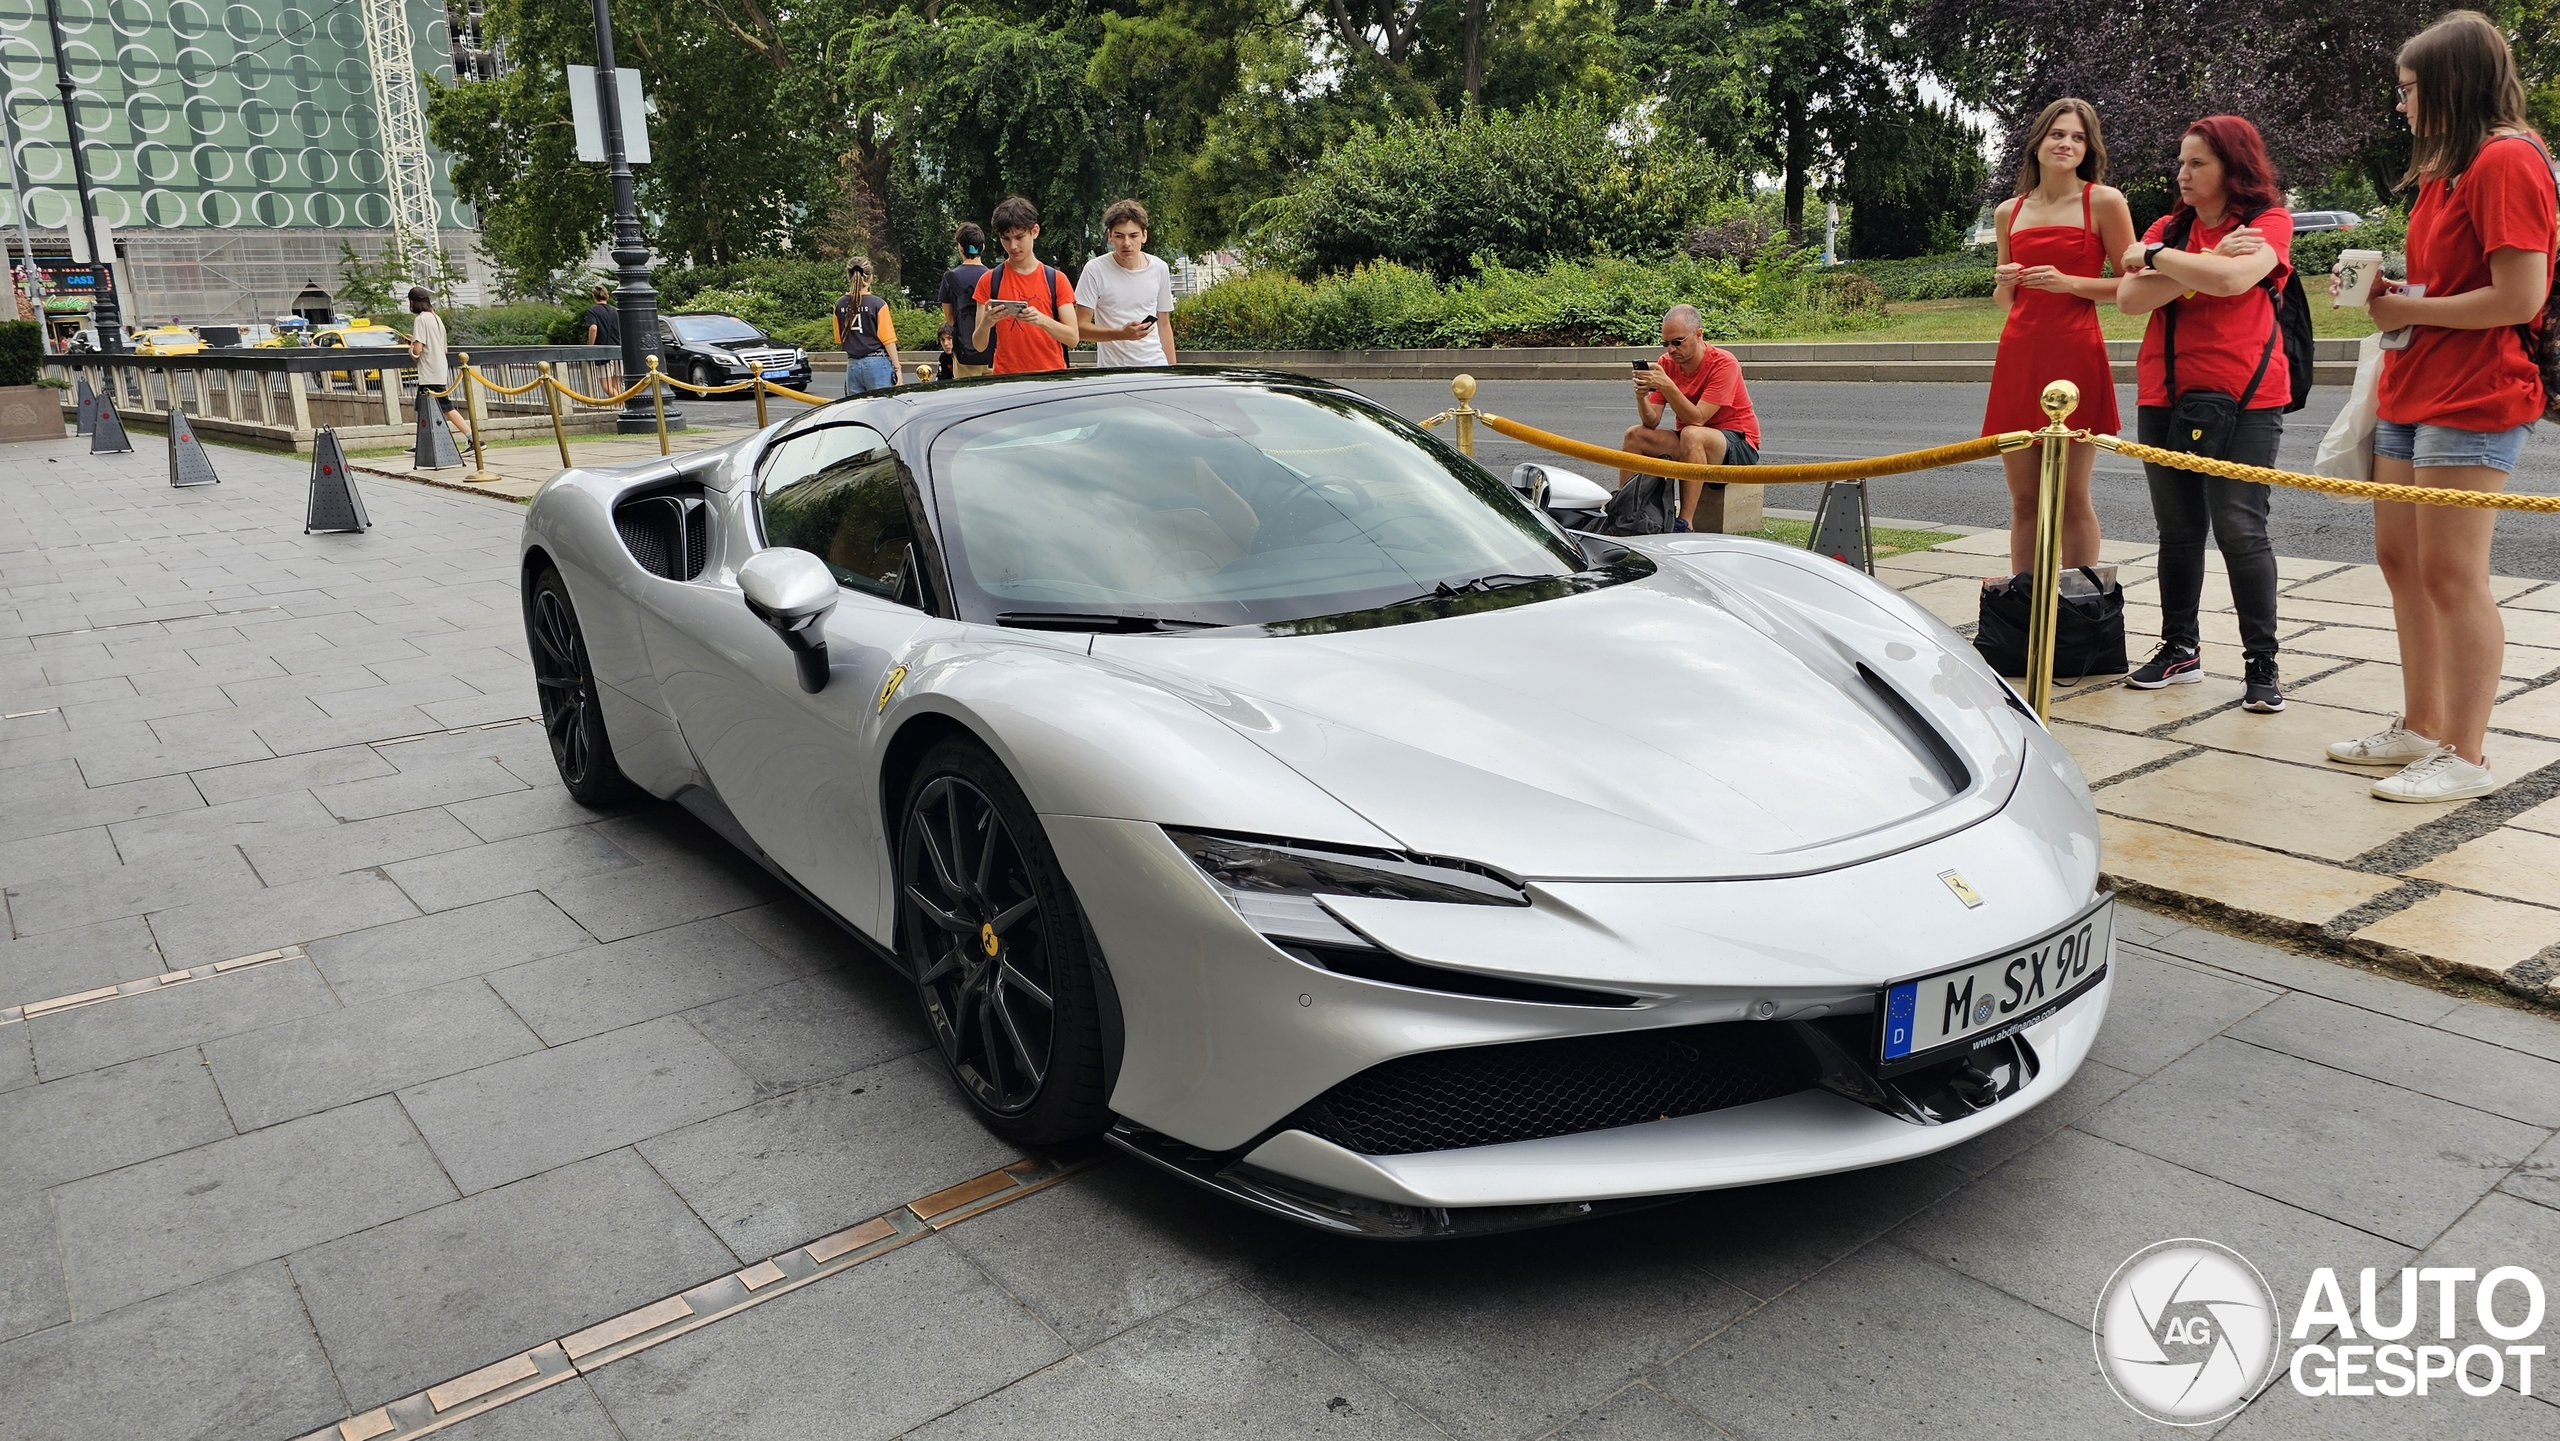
[[950, 354], [1028, 307]]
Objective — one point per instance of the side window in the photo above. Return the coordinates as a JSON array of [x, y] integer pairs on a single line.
[[839, 493]]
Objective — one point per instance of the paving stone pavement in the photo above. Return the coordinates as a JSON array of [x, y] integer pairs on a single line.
[[489, 1103]]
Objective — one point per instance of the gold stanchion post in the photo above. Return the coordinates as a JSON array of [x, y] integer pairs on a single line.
[[658, 396], [1464, 413], [2043, 608], [551, 398], [480, 474], [761, 422], [924, 375]]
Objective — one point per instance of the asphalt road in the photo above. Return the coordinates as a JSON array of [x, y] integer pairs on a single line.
[[1819, 420]]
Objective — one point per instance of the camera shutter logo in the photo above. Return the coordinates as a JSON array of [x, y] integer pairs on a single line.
[[2186, 1332]]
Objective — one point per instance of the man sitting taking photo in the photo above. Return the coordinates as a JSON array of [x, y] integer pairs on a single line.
[[1695, 408]]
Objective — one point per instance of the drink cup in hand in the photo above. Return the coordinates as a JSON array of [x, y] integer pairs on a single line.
[[2356, 272]]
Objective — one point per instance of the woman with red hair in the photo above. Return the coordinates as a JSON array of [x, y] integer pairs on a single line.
[[2214, 383]]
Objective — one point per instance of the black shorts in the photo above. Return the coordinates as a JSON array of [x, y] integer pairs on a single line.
[[1738, 449], [450, 405]]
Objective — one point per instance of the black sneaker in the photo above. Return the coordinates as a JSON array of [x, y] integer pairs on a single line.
[[2265, 694], [2170, 665]]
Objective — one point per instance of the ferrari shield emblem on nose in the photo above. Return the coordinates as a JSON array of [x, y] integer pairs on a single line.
[[1963, 888]]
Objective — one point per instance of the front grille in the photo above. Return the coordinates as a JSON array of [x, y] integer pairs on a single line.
[[1486, 1095]]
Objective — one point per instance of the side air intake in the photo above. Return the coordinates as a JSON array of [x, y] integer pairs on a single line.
[[669, 535]]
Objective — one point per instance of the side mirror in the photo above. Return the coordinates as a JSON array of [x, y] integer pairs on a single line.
[[1567, 490], [792, 591], [1530, 479]]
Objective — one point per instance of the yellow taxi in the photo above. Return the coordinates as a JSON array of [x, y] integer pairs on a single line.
[[358, 334], [167, 340]]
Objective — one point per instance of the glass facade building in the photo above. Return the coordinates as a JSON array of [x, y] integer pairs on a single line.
[[234, 144]]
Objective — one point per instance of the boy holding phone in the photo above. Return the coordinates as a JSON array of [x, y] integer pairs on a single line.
[[1126, 296], [1028, 307]]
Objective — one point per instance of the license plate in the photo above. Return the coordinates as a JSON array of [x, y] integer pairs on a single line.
[[1976, 1004], [777, 374]]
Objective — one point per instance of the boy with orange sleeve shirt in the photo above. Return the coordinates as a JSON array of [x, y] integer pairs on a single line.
[[1028, 307]]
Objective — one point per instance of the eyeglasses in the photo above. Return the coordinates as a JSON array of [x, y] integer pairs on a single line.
[[1674, 343], [2402, 90]]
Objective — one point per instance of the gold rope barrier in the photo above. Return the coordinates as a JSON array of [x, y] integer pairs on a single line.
[[2329, 484], [1977, 449]]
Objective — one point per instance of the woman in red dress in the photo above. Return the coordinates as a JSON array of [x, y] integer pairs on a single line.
[[2055, 238]]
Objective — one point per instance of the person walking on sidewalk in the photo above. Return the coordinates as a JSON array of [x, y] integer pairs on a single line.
[[1027, 308], [867, 332], [1692, 406], [2456, 403], [960, 306], [427, 343], [2214, 382], [602, 325], [2056, 236], [1125, 296]]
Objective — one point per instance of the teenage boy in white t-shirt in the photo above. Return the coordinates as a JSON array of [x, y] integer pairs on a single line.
[[1127, 296]]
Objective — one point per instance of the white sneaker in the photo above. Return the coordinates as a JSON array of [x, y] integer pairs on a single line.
[[2392, 745], [2442, 776]]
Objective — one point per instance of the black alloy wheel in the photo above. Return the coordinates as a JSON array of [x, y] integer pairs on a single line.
[[571, 716], [702, 375], [997, 947]]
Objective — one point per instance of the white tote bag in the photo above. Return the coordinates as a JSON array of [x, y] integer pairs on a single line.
[[2346, 452]]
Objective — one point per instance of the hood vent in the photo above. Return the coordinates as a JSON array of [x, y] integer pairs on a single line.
[[669, 535], [1924, 737]]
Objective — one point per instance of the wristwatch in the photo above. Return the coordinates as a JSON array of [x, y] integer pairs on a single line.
[[2151, 255]]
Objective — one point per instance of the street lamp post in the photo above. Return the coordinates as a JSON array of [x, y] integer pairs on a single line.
[[103, 313], [634, 298]]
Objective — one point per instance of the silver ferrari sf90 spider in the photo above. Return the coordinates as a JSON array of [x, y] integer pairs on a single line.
[[1239, 773]]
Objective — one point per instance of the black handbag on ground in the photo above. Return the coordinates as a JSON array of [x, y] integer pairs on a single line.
[[2088, 631], [1645, 505]]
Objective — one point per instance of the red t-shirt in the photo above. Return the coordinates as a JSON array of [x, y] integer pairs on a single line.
[[1718, 382], [2471, 379], [1020, 346], [2220, 337]]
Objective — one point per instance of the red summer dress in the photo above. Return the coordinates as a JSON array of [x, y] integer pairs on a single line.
[[2052, 337]]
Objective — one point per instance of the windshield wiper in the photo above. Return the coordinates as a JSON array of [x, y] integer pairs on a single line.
[[1095, 620], [1499, 580]]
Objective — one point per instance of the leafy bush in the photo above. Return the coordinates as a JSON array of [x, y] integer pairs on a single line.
[[755, 308], [21, 351], [1603, 301], [1958, 275], [796, 289], [1562, 180], [2313, 254], [530, 324], [1737, 231]]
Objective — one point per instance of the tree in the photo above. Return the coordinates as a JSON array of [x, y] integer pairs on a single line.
[[1787, 81], [1563, 179], [2315, 77], [1910, 179]]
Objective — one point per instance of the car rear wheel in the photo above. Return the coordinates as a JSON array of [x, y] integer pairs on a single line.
[[1003, 965], [570, 714]]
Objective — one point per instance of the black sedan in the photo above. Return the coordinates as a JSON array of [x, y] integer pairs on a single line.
[[722, 349]]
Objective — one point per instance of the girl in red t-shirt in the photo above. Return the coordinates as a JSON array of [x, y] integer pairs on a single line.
[[2455, 405], [2055, 238], [2209, 268]]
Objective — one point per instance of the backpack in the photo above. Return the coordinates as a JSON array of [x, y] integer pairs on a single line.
[[2541, 338], [995, 291], [2292, 321], [1645, 505]]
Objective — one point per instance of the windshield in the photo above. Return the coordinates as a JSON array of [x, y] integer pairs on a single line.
[[698, 329], [1221, 504]]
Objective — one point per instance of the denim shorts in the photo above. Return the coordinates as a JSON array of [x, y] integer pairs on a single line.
[[2426, 445], [869, 373]]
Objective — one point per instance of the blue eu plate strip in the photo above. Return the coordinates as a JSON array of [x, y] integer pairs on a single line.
[[1899, 1005]]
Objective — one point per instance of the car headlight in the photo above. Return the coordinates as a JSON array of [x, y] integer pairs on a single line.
[[1273, 884]]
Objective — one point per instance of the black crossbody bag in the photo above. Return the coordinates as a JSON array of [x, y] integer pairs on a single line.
[[2201, 421]]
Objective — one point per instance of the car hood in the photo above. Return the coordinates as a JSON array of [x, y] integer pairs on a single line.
[[1697, 724]]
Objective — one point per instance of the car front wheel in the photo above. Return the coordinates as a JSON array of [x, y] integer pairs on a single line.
[[997, 947], [570, 714]]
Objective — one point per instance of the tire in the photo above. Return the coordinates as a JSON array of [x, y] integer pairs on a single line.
[[702, 375], [989, 928], [571, 714]]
